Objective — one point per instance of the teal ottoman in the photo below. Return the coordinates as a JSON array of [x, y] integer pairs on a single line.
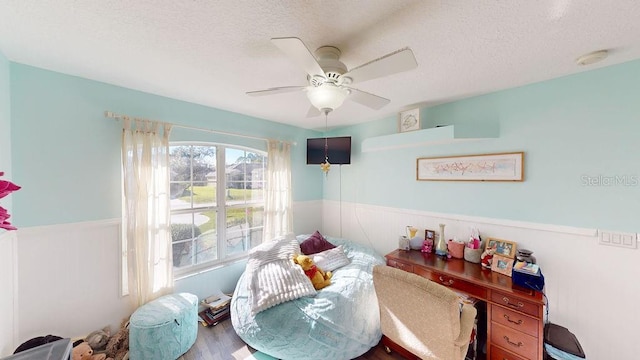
[[165, 328]]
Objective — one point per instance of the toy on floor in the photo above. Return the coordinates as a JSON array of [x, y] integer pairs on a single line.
[[319, 278], [118, 345], [83, 351], [99, 338]]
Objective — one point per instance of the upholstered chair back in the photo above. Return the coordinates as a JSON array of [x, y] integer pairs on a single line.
[[423, 317]]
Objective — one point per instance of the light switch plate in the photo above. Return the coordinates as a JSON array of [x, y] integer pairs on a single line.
[[616, 238]]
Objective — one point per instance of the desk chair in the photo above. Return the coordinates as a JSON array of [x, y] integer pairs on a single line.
[[420, 318]]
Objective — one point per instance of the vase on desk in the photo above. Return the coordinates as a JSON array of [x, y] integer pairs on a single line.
[[441, 246]]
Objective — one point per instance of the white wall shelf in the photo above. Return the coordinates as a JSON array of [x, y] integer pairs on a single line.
[[432, 136]]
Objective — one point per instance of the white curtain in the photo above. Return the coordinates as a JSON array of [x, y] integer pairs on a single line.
[[145, 161], [278, 214]]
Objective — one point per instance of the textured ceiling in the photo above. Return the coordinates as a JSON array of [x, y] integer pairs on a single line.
[[212, 52]]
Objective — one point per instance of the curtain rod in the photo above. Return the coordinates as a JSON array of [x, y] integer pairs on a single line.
[[112, 115]]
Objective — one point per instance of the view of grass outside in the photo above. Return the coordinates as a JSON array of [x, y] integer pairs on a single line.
[[207, 194]]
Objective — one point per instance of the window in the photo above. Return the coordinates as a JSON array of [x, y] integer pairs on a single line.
[[217, 203]]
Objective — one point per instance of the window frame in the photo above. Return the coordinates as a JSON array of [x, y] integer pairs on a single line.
[[221, 206]]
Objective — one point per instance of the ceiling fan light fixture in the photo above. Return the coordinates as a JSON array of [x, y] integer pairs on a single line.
[[327, 96]]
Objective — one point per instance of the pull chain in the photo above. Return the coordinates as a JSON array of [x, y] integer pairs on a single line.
[[326, 166]]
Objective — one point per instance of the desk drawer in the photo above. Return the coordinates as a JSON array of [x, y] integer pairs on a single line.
[[400, 265], [451, 282], [515, 341], [515, 320], [499, 354], [516, 303]]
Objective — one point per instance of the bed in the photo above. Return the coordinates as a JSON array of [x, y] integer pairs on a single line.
[[340, 321]]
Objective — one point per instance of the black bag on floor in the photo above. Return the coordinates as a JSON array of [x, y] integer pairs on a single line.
[[37, 341], [562, 339]]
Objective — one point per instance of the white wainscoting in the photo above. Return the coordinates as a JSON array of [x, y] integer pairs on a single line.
[[592, 289], [8, 292], [68, 279]]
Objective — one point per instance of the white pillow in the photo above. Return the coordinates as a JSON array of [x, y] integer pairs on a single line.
[[273, 278], [331, 259]]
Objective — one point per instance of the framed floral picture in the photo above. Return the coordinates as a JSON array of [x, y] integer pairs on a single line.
[[502, 265], [480, 167], [409, 120]]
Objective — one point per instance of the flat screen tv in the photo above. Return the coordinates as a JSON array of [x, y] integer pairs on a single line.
[[339, 150]]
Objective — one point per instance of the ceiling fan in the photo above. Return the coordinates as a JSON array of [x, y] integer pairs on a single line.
[[329, 79]]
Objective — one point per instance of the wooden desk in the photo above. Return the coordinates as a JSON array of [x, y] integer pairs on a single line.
[[515, 317]]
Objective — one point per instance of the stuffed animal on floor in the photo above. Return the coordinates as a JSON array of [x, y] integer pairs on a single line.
[[118, 345], [83, 351], [318, 278], [99, 338]]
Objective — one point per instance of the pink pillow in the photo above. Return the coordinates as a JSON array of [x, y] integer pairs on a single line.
[[315, 243]]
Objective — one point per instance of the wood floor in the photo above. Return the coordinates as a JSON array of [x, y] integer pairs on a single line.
[[221, 343]]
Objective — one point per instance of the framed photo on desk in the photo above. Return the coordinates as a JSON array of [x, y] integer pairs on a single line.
[[505, 248], [502, 265]]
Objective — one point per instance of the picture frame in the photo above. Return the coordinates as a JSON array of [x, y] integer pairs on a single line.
[[430, 235], [502, 265], [409, 120], [480, 167], [504, 248]]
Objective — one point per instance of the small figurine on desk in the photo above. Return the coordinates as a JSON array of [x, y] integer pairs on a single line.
[[487, 257], [427, 246]]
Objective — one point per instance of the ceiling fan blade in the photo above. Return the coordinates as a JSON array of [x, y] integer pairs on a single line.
[[300, 54], [398, 61], [313, 112], [275, 90], [369, 100]]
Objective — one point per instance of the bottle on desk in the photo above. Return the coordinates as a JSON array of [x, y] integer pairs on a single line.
[[441, 247]]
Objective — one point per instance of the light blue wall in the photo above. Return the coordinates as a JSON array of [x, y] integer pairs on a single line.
[[5, 126], [584, 125], [66, 155]]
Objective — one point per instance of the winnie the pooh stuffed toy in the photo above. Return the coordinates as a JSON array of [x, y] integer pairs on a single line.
[[319, 278]]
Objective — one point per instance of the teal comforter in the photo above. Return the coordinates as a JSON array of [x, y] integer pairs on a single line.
[[340, 322]]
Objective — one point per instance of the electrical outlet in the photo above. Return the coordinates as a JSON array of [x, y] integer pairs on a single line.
[[620, 239]]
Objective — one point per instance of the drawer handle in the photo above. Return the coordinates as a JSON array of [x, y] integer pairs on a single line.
[[508, 303], [518, 344], [519, 322], [446, 282]]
